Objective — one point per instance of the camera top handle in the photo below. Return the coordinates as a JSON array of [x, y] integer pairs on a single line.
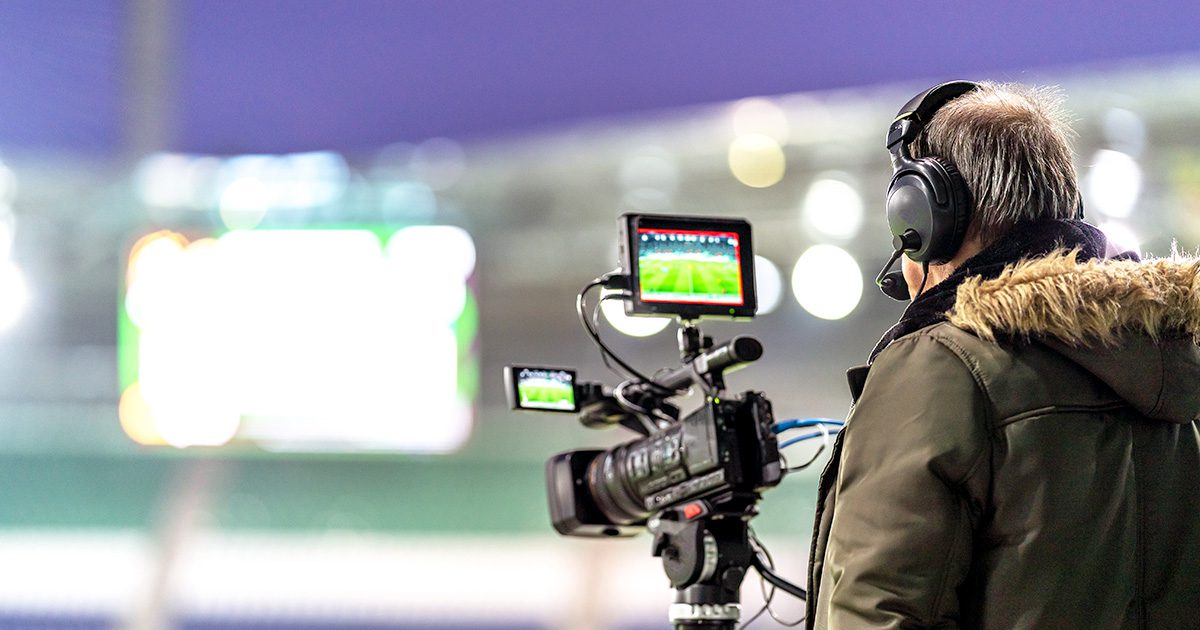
[[642, 405]]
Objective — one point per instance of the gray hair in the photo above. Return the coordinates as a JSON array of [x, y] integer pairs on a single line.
[[1011, 143]]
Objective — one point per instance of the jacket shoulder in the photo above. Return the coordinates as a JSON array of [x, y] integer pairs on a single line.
[[1018, 377]]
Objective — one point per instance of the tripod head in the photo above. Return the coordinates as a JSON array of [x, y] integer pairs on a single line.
[[705, 554]]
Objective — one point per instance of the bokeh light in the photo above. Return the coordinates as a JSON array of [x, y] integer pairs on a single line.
[[152, 270], [439, 162], [442, 286], [15, 292], [832, 207], [206, 422], [135, 417], [8, 230], [162, 180], [1121, 236], [640, 326], [1113, 183], [769, 283], [827, 281], [308, 180], [244, 203], [760, 116], [1124, 130], [8, 185], [302, 339], [757, 160]]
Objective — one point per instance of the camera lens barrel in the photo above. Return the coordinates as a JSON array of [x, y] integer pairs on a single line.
[[633, 480], [609, 478]]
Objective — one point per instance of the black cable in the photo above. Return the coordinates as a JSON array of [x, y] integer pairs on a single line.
[[813, 459], [765, 564], [758, 548], [924, 277], [777, 580], [596, 325], [593, 328], [604, 349]]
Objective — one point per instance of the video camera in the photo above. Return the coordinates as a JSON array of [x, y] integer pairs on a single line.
[[694, 482]]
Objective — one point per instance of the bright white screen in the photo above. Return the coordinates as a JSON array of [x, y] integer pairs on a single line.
[[328, 340]]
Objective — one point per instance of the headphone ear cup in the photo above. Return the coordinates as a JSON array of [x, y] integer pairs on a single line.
[[928, 196], [950, 225], [909, 205]]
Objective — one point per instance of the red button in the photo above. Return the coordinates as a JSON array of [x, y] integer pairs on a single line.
[[692, 510]]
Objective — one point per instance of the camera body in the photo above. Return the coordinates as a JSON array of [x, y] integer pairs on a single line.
[[723, 452], [693, 483], [723, 449]]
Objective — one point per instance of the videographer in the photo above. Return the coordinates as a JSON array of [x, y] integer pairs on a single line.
[[1023, 451]]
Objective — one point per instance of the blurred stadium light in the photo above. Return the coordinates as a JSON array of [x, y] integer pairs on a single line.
[[827, 281], [832, 207], [314, 339], [1112, 183], [769, 283], [640, 326], [1121, 236], [757, 160]]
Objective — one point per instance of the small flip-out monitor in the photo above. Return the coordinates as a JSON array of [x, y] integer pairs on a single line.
[[688, 266], [541, 388]]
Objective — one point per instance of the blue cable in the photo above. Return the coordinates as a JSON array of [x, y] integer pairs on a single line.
[[806, 436], [786, 425]]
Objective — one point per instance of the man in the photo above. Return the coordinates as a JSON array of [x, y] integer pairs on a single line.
[[1024, 452]]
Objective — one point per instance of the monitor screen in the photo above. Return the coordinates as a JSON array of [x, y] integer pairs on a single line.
[[689, 266], [545, 389]]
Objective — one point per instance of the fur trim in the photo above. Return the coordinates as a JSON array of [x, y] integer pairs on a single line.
[[1082, 303]]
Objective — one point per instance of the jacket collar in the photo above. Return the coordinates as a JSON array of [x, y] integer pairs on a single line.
[[1133, 325], [1030, 239], [856, 377]]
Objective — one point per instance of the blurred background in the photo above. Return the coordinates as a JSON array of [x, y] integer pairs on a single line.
[[261, 264]]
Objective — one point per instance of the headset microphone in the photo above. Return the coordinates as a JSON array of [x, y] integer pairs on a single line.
[[928, 203], [892, 282]]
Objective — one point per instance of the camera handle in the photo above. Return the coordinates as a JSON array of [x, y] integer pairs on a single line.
[[705, 554]]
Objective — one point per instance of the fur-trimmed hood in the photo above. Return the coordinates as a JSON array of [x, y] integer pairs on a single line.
[[1134, 324], [1083, 303]]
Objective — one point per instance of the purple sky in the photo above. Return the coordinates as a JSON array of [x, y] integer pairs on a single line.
[[288, 75]]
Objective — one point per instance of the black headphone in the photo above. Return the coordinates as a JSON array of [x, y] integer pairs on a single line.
[[928, 203]]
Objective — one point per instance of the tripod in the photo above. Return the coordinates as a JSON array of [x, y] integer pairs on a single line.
[[705, 553], [705, 550]]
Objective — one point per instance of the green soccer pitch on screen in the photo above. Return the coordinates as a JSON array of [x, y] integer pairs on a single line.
[[689, 266], [541, 388]]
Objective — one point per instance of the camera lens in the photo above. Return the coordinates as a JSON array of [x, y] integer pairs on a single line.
[[611, 479]]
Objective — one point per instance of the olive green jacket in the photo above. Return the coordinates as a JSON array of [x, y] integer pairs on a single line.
[[1034, 462]]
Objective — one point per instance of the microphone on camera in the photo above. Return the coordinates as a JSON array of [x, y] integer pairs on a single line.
[[892, 282], [724, 358]]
